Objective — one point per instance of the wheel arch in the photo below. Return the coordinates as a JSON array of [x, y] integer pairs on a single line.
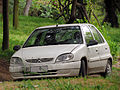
[[110, 59], [86, 63]]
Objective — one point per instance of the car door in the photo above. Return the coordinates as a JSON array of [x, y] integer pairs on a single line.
[[103, 47], [92, 51]]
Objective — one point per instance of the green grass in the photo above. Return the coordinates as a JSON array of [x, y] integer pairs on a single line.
[[18, 36], [72, 83]]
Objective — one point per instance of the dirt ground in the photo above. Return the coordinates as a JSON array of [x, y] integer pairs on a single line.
[[117, 64], [5, 75], [4, 71]]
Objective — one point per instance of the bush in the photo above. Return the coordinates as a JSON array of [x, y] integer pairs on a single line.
[[44, 10]]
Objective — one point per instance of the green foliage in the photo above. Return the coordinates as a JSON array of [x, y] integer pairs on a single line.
[[11, 4], [112, 36], [63, 8], [27, 85], [42, 9], [35, 4], [81, 21], [21, 6], [47, 11]]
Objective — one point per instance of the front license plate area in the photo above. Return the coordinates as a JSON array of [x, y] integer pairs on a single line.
[[39, 69]]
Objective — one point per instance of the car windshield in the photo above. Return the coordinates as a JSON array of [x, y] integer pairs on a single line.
[[55, 36]]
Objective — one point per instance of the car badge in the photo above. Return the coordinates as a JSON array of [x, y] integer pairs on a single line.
[[39, 60]]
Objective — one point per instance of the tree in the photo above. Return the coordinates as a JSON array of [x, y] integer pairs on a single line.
[[117, 4], [15, 14], [73, 12], [5, 43], [27, 7], [82, 12], [110, 8], [78, 10]]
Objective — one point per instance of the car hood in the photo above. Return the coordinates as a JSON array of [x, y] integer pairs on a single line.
[[51, 51]]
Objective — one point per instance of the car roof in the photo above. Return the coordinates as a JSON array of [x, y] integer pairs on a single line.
[[62, 25]]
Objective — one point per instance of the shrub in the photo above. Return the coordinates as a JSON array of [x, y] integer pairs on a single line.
[[41, 9]]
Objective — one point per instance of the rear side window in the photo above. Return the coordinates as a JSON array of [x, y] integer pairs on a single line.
[[96, 34], [87, 33]]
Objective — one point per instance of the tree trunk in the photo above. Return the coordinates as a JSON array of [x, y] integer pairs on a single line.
[[111, 16], [1, 6], [73, 11], [15, 14], [5, 43], [82, 13], [78, 7], [117, 4], [27, 7]]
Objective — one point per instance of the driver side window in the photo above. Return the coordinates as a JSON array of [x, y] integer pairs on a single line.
[[87, 33]]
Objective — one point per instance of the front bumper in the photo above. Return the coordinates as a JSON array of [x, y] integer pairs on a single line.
[[54, 70]]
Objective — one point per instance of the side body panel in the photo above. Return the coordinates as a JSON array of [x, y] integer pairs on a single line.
[[103, 52], [92, 52]]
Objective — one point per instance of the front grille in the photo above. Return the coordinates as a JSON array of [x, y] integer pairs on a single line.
[[39, 60]]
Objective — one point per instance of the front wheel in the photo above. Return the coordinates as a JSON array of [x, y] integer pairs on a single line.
[[83, 70]]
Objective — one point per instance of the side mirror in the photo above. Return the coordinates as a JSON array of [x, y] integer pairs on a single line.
[[92, 42], [16, 48]]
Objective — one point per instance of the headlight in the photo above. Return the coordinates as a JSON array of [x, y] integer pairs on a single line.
[[65, 57], [16, 60]]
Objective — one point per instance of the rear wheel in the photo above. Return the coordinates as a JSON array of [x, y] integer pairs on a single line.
[[108, 69], [83, 70]]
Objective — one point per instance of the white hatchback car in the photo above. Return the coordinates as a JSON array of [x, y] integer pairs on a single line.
[[62, 50]]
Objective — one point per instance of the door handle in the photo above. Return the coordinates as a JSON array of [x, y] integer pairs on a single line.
[[96, 50], [105, 48]]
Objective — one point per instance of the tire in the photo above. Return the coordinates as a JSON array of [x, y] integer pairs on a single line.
[[83, 71], [108, 69]]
